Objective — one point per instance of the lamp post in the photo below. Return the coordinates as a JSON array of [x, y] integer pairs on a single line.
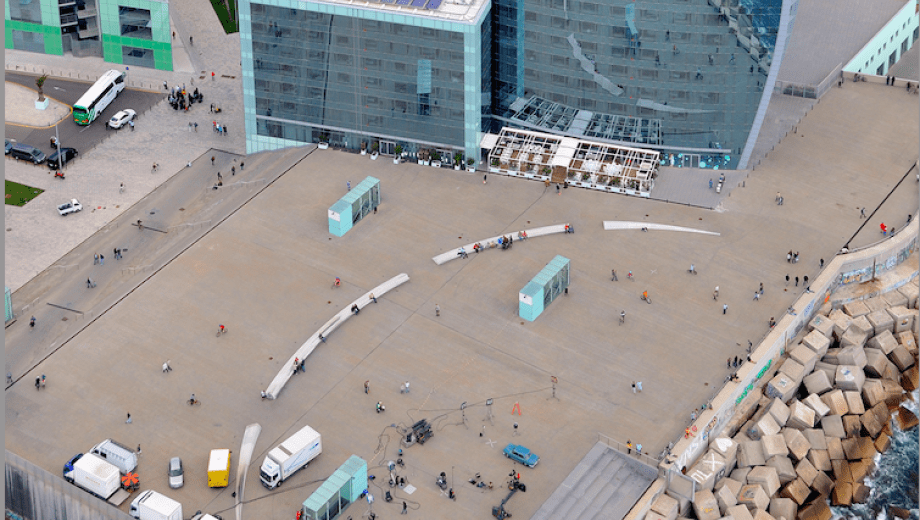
[[57, 141]]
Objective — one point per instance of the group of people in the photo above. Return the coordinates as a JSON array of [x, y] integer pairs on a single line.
[[792, 258], [179, 99]]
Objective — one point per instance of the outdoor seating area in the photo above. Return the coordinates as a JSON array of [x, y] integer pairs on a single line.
[[580, 163]]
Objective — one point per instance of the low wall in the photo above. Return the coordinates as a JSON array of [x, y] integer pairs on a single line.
[[843, 270]]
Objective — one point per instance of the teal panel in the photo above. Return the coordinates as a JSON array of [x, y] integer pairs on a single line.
[[549, 283], [8, 34], [8, 303], [354, 206]]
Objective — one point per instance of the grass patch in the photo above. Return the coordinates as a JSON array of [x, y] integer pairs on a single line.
[[20, 194], [226, 13]]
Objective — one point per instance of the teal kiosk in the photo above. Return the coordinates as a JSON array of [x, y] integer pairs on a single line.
[[549, 283], [338, 492], [355, 205]]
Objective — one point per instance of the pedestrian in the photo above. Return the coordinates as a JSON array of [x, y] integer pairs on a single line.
[[613, 275], [101, 260], [138, 449], [787, 279], [728, 363], [756, 296], [761, 288], [437, 310], [485, 178], [622, 317], [43, 380], [406, 388], [212, 76], [128, 421], [736, 361], [789, 257], [189, 127], [795, 257], [558, 192], [232, 171], [777, 197], [373, 298], [242, 166], [348, 185], [725, 308], [219, 176], [772, 322], [796, 281], [166, 367], [862, 213], [628, 447], [715, 294], [224, 129], [196, 126], [32, 322], [38, 383], [710, 184], [212, 108], [212, 160], [805, 280], [634, 386], [296, 364], [95, 258], [909, 218], [303, 367], [165, 86], [639, 385], [131, 124], [191, 41], [638, 449], [821, 264], [405, 509], [367, 386]]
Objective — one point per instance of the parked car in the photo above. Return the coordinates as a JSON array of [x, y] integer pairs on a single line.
[[519, 453], [9, 146], [68, 466], [121, 118], [69, 207], [27, 153], [176, 474], [67, 154]]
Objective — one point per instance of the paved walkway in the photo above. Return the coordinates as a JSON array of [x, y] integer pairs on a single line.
[[19, 103]]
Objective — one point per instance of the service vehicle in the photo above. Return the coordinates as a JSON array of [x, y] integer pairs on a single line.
[[121, 118], [25, 152], [150, 505], [98, 97], [94, 475], [219, 468], [204, 516], [289, 456], [520, 454], [70, 207], [120, 455]]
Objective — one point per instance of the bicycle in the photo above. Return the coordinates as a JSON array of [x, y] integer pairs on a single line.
[[221, 330], [193, 402], [646, 298], [337, 282], [630, 276]]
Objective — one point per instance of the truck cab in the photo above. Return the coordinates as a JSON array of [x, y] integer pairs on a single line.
[[270, 473]]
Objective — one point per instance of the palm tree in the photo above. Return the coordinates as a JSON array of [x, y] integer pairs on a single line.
[[39, 82]]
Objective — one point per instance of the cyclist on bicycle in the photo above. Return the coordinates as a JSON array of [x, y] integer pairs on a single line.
[[629, 275], [32, 322], [192, 400], [221, 329], [645, 295]]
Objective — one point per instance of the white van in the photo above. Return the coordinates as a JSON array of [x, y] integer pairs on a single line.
[[114, 453]]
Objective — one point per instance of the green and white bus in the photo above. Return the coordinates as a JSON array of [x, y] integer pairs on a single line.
[[88, 107]]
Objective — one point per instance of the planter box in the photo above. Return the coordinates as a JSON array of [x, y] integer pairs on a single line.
[[457, 167], [436, 164], [470, 169], [374, 156], [323, 146], [494, 169], [42, 105], [396, 160], [363, 152]]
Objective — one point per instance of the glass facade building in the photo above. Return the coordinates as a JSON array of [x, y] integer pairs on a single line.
[[127, 32], [685, 77]]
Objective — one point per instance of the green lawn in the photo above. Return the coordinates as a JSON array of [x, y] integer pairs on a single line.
[[226, 12], [19, 194]]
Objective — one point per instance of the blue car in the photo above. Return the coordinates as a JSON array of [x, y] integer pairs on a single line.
[[521, 454]]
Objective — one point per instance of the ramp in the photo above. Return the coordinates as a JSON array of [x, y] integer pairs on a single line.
[[603, 486]]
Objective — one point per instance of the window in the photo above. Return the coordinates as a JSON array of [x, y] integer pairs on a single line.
[[135, 23]]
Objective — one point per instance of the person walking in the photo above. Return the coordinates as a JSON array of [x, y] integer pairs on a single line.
[[131, 124], [787, 279], [101, 260], [405, 388], [219, 176], [796, 281], [367, 386], [756, 296], [43, 380], [761, 288], [437, 310], [622, 317], [639, 386], [166, 367], [789, 257], [634, 386], [715, 294], [613, 274], [348, 185], [95, 258], [232, 171], [32, 322], [805, 280], [373, 298], [862, 213], [38, 383], [821, 264], [405, 509], [128, 421], [485, 178], [628, 447], [725, 308], [138, 449]]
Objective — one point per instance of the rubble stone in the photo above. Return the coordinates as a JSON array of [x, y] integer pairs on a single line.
[[800, 416], [881, 321], [784, 470], [849, 378], [836, 402], [884, 342]]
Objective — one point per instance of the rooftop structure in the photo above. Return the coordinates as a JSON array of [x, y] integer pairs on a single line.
[[453, 10]]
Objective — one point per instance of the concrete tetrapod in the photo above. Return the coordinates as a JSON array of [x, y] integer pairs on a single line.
[[343, 315]]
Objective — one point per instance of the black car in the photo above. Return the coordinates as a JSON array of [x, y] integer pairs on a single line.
[[67, 154], [9, 146]]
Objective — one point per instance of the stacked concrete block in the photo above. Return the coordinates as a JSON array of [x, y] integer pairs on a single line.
[[819, 343], [850, 377], [665, 506], [705, 506], [855, 309], [873, 392], [841, 470], [827, 368], [804, 356], [796, 442], [860, 493], [852, 355], [766, 477], [875, 303], [750, 454], [740, 512], [885, 342], [784, 470], [796, 490], [835, 402], [734, 486], [910, 291], [774, 445], [903, 318], [822, 325], [901, 357], [766, 425], [855, 402], [852, 425], [832, 426], [817, 510], [800, 416], [740, 473], [820, 460], [814, 402], [881, 412], [815, 438], [871, 424], [753, 497], [862, 324], [835, 449], [806, 471], [876, 362], [841, 321], [727, 448], [881, 321], [783, 509], [762, 514], [793, 369], [782, 387], [894, 299], [882, 443], [707, 470], [831, 356], [823, 484], [779, 411], [842, 495], [907, 340], [725, 498]]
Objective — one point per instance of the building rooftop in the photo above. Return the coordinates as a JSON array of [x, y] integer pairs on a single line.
[[448, 10]]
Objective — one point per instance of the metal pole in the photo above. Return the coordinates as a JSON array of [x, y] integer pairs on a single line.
[[57, 141]]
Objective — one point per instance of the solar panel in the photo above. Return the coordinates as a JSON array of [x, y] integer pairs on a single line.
[[418, 3], [433, 4], [403, 2]]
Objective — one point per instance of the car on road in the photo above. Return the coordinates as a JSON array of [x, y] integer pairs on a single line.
[[520, 454], [9, 146], [27, 153], [69, 207], [121, 118], [67, 154], [176, 474], [68, 466]]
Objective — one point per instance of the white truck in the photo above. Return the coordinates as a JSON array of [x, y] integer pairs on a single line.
[[95, 475], [151, 505], [69, 207], [289, 456]]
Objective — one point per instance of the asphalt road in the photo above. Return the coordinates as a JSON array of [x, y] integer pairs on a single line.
[[83, 138]]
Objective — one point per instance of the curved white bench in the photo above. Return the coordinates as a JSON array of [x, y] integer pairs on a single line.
[[328, 328], [610, 225], [453, 254]]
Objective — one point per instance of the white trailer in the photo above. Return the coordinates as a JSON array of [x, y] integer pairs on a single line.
[[95, 475], [151, 505], [289, 456]]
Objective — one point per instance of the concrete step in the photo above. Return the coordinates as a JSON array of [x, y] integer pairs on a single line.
[[613, 466]]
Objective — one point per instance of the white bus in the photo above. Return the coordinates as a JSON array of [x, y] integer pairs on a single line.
[[88, 107]]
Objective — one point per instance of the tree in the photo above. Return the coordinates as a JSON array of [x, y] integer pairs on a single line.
[[40, 82]]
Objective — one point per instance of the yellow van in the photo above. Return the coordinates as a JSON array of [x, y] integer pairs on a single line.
[[219, 468]]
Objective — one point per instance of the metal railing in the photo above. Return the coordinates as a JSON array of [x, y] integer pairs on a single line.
[[614, 444]]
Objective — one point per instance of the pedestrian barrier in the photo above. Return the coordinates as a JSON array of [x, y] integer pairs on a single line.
[[453, 254], [330, 326]]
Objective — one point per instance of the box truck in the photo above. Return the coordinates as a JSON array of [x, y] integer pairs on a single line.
[[219, 468], [94, 475], [120, 455], [151, 505], [289, 456]]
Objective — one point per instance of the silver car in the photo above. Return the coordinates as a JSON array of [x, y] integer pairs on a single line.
[[176, 475]]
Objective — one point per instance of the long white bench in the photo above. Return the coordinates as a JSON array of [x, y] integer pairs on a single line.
[[328, 328], [610, 225], [490, 243]]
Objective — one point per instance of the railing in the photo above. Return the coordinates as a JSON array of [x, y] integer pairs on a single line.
[[612, 443]]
